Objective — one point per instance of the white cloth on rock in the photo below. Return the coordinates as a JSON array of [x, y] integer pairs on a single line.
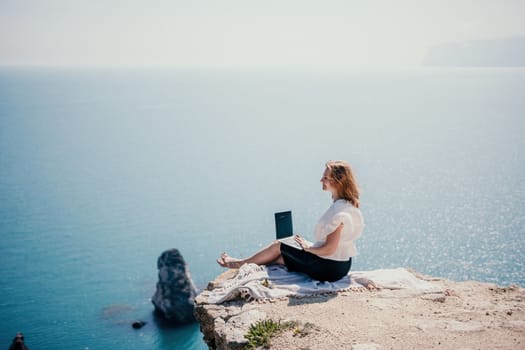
[[254, 282]]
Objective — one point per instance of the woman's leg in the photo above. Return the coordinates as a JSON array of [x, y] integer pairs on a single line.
[[268, 255]]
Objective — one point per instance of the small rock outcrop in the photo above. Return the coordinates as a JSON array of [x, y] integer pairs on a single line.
[[174, 298], [18, 343], [138, 324]]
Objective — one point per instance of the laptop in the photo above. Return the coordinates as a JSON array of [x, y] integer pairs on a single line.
[[284, 229]]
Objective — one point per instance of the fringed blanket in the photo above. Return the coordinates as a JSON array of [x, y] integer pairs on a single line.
[[261, 283]]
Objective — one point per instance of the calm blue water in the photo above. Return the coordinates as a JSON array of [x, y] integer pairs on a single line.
[[101, 171]]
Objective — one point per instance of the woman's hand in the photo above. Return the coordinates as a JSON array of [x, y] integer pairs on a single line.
[[327, 248], [301, 241]]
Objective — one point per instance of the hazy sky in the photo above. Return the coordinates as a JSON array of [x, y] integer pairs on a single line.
[[245, 33]]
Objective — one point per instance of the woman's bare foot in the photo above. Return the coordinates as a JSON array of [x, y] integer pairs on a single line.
[[227, 261]]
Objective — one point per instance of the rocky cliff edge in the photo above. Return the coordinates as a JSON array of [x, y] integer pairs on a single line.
[[465, 315]]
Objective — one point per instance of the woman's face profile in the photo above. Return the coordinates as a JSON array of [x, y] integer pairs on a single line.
[[326, 180]]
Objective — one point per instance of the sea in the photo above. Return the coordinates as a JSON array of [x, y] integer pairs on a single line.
[[101, 170]]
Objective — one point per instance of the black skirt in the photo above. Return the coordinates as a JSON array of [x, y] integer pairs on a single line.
[[314, 266]]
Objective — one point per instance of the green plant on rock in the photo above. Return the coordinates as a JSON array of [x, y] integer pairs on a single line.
[[259, 333]]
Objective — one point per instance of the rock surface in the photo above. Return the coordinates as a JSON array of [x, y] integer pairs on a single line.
[[18, 343], [175, 294], [466, 315], [138, 324]]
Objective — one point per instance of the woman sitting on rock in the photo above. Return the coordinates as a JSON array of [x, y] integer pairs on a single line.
[[330, 257]]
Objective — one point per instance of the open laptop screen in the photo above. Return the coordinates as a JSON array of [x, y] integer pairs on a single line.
[[283, 224]]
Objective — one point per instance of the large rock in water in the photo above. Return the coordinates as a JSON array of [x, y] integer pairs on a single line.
[[175, 295]]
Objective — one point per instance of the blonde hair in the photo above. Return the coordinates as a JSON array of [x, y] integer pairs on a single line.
[[344, 181]]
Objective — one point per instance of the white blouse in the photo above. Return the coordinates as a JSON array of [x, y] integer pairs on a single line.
[[341, 211]]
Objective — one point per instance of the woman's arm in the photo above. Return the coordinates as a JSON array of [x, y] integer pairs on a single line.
[[329, 246]]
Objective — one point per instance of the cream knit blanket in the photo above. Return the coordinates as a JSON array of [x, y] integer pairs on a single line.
[[254, 282]]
